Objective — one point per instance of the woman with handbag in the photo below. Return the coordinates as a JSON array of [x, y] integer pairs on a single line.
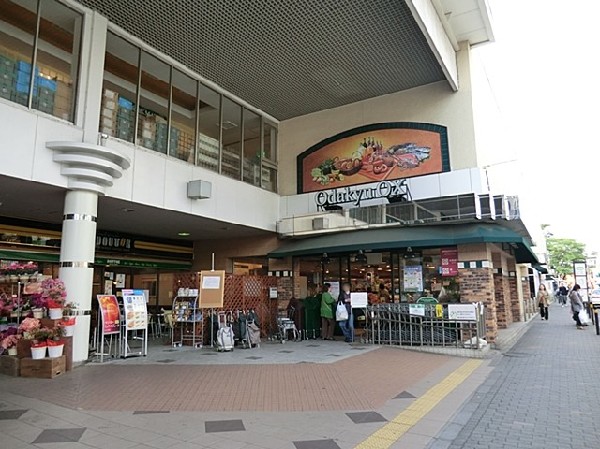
[[542, 300], [576, 305]]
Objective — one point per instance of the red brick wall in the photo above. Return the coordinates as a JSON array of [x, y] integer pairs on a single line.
[[477, 284], [507, 299], [515, 304]]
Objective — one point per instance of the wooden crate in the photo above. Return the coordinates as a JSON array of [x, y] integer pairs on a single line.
[[23, 348], [10, 365], [48, 322], [43, 368]]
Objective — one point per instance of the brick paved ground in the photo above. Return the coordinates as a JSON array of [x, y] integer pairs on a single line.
[[542, 393], [362, 382]]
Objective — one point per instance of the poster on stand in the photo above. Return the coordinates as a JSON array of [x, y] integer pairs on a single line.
[[136, 313], [413, 278], [109, 311]]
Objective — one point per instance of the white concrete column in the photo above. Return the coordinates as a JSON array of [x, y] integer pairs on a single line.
[[90, 169], [77, 253]]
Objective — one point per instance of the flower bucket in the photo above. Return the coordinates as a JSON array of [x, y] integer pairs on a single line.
[[38, 353], [38, 313], [12, 351], [55, 314], [69, 330], [55, 351]]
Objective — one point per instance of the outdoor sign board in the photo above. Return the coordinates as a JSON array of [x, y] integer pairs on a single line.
[[109, 311], [413, 278], [374, 153], [359, 300], [136, 314], [212, 288], [462, 312], [417, 309]]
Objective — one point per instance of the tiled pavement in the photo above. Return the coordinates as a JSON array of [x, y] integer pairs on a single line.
[[542, 393], [137, 404]]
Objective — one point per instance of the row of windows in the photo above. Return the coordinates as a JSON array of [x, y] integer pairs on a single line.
[[159, 107], [44, 35], [145, 101]]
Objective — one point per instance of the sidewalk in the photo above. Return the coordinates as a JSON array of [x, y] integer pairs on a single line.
[[543, 393], [326, 404]]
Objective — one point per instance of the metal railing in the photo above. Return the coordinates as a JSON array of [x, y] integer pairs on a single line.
[[394, 324]]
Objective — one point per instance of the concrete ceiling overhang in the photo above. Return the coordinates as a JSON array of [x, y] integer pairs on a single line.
[[290, 58]]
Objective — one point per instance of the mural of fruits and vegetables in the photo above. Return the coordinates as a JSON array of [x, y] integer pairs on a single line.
[[373, 153]]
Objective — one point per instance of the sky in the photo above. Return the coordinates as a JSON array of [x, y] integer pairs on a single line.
[[542, 69]]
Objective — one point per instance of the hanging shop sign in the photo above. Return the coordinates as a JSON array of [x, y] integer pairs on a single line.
[[396, 189], [371, 153], [109, 311], [113, 242], [462, 312], [449, 262]]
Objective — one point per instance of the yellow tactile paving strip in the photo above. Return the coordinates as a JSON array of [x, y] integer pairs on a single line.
[[392, 431]]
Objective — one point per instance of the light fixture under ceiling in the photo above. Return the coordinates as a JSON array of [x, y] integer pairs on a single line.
[[183, 234]]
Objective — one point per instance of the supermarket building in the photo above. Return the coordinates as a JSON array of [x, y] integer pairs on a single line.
[[305, 140]]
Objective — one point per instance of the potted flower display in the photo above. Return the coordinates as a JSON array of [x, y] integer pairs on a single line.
[[55, 342], [54, 293], [39, 343], [68, 323], [9, 343], [28, 327]]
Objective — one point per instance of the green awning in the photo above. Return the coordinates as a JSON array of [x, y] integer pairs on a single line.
[[113, 262], [28, 255], [402, 237]]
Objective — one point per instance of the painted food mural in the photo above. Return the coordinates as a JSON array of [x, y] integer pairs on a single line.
[[374, 155]]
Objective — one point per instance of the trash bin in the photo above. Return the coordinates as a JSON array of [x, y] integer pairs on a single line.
[[312, 317]]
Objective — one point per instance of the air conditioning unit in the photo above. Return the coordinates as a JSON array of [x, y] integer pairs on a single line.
[[320, 223]]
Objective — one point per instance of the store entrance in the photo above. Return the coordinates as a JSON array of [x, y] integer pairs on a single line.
[[388, 276]]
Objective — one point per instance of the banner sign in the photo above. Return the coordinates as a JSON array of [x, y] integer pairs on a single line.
[[109, 311], [462, 312], [374, 153], [136, 313], [449, 262]]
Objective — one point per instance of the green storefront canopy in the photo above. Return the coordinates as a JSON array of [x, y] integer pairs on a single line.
[[113, 262], [403, 237]]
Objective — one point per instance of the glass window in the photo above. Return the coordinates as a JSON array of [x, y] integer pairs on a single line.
[[183, 117], [121, 73], [57, 60], [209, 113], [232, 139], [269, 178], [252, 153], [17, 33], [153, 112], [270, 142]]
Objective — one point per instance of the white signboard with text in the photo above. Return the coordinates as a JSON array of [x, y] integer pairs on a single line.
[[462, 312]]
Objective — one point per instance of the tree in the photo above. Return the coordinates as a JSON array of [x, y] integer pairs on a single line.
[[562, 253]]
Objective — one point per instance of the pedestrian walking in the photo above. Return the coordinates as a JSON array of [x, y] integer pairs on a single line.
[[576, 305], [563, 292], [542, 299], [327, 322]]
